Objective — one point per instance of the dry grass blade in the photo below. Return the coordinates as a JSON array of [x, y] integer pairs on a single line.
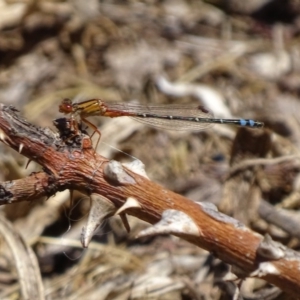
[[29, 277]]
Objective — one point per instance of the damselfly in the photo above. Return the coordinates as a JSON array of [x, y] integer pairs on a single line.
[[171, 117]]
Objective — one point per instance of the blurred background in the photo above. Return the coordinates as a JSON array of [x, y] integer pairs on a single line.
[[239, 59]]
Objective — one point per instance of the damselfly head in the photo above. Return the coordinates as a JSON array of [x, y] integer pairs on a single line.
[[66, 106]]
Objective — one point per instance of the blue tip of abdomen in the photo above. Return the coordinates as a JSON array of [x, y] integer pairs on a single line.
[[243, 122], [247, 122]]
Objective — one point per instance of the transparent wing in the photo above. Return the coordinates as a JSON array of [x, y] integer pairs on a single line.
[[170, 117], [173, 124]]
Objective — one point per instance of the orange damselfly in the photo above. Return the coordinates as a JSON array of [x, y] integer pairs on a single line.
[[170, 117]]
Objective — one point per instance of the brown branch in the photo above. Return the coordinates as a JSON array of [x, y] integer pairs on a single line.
[[74, 165]]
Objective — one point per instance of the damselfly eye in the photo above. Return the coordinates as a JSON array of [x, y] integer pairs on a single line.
[[66, 106]]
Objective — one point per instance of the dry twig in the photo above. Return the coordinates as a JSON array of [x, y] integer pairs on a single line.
[[114, 189]]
